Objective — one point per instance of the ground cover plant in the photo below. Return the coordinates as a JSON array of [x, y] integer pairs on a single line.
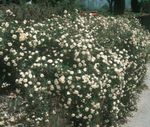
[[88, 69]]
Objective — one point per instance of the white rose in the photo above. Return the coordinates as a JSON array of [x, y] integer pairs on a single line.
[[30, 76], [52, 87], [6, 24], [1, 39], [1, 53], [25, 80], [6, 58], [22, 37], [65, 11], [9, 44], [41, 75], [26, 85], [56, 82], [43, 58], [19, 30], [86, 109], [62, 79], [14, 36], [50, 61]]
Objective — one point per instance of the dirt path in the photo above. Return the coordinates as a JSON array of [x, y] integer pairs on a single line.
[[142, 116]]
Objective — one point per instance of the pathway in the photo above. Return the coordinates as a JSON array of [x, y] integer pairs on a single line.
[[142, 116]]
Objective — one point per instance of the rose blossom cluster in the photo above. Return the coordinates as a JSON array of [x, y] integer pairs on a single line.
[[92, 66]]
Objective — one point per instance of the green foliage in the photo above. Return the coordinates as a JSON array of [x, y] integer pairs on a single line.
[[37, 12], [145, 6], [29, 12], [145, 1], [47, 5], [88, 69]]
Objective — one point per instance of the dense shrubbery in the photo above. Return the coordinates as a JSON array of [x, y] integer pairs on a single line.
[[45, 6], [89, 67], [28, 12], [35, 12]]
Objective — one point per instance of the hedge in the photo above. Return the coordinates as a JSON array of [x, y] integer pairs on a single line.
[[90, 68]]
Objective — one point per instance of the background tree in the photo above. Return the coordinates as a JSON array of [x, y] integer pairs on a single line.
[[111, 2], [119, 6], [135, 6]]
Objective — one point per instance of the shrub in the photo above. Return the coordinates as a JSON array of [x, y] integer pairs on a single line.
[[89, 67], [37, 12], [28, 12]]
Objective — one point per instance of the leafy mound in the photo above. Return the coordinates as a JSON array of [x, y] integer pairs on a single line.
[[91, 67]]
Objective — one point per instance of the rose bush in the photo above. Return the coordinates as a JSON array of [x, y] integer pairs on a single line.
[[90, 67]]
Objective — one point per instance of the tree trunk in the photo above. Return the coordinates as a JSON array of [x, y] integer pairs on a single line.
[[119, 6], [135, 5], [110, 5]]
